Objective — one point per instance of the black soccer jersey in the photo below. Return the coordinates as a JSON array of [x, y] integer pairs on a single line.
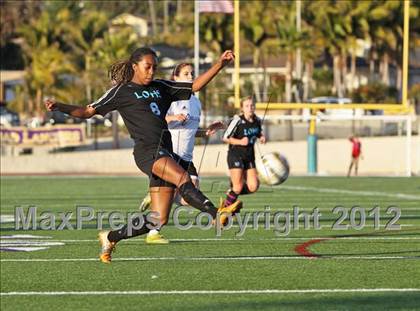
[[143, 109], [238, 128]]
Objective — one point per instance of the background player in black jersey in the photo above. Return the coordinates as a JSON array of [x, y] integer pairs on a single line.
[[143, 103], [241, 135]]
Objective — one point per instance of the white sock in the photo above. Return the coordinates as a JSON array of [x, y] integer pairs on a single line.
[[153, 232]]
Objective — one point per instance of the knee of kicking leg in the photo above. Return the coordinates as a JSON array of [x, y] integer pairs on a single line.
[[185, 178]]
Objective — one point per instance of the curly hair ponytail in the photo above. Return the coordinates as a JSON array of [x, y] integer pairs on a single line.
[[121, 72]]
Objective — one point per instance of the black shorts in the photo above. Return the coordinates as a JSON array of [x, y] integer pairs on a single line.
[[188, 166], [240, 161], [145, 160]]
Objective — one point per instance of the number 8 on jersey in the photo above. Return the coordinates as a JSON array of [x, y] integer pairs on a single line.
[[155, 108]]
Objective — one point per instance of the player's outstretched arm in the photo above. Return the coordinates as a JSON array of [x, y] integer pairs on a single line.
[[74, 111], [206, 77]]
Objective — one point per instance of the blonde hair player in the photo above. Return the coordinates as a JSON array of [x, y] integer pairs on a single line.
[[241, 135]]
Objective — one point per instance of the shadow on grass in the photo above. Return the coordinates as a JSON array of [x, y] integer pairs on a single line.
[[333, 301]]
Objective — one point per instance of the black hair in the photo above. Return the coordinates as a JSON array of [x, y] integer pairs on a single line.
[[122, 71]]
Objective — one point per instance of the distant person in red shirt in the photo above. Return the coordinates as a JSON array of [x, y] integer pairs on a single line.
[[356, 153]]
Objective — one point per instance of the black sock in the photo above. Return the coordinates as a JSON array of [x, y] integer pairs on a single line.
[[123, 233], [245, 190], [196, 198], [231, 198]]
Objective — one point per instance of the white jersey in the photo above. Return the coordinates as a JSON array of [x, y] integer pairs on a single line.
[[183, 133]]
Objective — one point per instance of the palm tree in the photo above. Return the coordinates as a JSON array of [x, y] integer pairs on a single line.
[[290, 39], [153, 16], [217, 31], [387, 32], [114, 46], [332, 20], [84, 35], [358, 14], [257, 27], [382, 35], [44, 59]]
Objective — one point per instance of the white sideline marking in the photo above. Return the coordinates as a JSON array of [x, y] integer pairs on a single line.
[[29, 243], [329, 226], [338, 257], [24, 236], [252, 240], [355, 192], [6, 218], [213, 292], [25, 243], [22, 249]]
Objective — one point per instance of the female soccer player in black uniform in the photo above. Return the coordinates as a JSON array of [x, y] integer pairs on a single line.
[[143, 103], [241, 135]]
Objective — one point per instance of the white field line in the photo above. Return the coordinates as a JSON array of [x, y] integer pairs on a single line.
[[252, 225], [132, 241], [250, 258], [24, 236], [213, 292], [353, 192], [9, 243]]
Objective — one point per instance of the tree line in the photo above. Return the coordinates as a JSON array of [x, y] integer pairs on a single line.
[[65, 47]]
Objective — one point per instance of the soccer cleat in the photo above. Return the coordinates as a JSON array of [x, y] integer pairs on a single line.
[[156, 238], [226, 211], [107, 247], [145, 204]]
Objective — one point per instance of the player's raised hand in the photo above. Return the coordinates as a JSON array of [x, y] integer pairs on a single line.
[[50, 104], [226, 57], [263, 140], [180, 117]]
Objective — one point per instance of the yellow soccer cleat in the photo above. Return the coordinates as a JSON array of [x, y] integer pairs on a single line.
[[145, 204], [156, 238], [107, 247], [227, 211]]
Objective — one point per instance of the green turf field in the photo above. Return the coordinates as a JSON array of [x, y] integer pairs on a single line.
[[367, 269]]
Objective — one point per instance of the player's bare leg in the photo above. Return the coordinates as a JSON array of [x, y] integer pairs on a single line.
[[169, 170], [350, 167], [356, 166], [160, 208], [252, 181], [237, 183]]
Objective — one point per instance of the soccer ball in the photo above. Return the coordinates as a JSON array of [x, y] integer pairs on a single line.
[[273, 168]]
